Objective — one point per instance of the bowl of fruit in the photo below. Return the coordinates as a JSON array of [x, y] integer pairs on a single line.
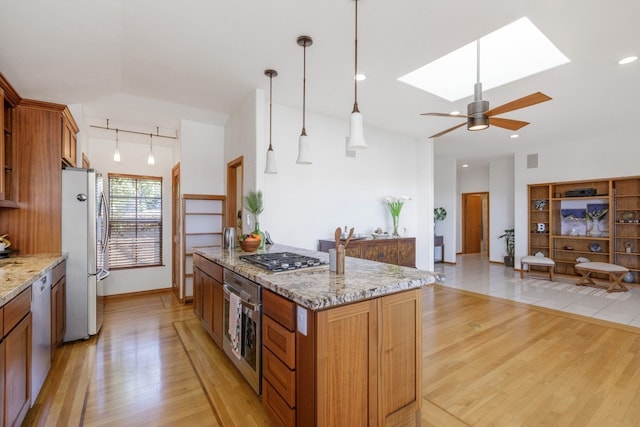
[[250, 242]]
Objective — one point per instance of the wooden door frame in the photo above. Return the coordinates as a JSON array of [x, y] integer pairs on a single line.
[[232, 187], [464, 222], [176, 276]]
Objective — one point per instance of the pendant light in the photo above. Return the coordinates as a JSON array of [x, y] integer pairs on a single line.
[[116, 154], [304, 152], [151, 160], [356, 132], [271, 155]]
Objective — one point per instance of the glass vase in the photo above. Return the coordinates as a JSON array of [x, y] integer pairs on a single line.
[[395, 219], [256, 230]]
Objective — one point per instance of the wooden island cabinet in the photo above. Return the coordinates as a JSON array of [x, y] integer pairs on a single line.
[[337, 350], [360, 361], [208, 296]]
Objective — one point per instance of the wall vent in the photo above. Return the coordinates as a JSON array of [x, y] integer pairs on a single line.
[[532, 161]]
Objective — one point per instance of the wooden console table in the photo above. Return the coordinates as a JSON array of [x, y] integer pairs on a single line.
[[401, 251]]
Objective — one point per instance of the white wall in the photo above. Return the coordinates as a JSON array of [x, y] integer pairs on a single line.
[[202, 166], [445, 195], [501, 205], [134, 161], [304, 203]]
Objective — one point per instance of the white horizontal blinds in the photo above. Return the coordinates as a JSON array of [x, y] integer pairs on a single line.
[[135, 235]]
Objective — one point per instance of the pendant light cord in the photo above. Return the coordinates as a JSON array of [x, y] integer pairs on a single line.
[[355, 76], [304, 88], [270, 107]]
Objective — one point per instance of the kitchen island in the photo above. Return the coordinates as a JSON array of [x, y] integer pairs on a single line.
[[336, 349]]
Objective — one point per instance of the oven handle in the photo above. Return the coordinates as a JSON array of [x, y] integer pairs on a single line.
[[251, 306]]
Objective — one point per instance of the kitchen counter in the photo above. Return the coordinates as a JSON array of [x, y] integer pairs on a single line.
[[316, 288], [18, 273]]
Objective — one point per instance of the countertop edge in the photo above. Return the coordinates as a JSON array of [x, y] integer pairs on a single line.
[[28, 278], [335, 292]]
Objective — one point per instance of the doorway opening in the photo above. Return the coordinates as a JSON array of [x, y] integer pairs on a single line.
[[475, 223], [235, 185]]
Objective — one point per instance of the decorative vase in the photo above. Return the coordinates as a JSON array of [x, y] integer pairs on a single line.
[[595, 229], [256, 230], [395, 219]]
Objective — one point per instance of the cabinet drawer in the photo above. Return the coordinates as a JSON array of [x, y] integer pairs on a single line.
[[59, 271], [280, 377], [209, 267], [281, 414], [16, 309], [280, 341], [280, 309]]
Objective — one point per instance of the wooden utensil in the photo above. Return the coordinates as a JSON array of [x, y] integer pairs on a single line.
[[349, 237], [337, 235]]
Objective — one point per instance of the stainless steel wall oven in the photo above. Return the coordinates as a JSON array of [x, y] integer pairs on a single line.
[[243, 309]]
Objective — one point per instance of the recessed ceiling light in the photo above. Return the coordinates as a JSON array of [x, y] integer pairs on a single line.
[[360, 77], [515, 135], [455, 113], [627, 60], [465, 165], [512, 52]]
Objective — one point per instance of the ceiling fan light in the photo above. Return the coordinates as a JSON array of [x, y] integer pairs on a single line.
[[304, 150], [356, 132], [477, 123]]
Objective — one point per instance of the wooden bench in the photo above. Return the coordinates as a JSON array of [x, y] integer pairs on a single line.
[[540, 261], [615, 272]]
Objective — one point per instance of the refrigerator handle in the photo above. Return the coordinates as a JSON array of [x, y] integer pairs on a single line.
[[107, 226]]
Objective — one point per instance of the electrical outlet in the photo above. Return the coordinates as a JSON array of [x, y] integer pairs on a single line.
[[302, 320]]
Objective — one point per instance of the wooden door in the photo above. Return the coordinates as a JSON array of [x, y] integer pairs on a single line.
[[175, 231], [18, 372], [474, 222]]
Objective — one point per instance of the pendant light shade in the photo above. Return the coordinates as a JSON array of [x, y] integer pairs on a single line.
[[116, 154], [304, 149], [356, 127], [271, 155], [151, 160]]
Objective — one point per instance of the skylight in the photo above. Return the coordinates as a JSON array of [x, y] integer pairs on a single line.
[[510, 53]]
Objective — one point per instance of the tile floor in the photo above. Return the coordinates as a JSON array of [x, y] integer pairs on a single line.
[[474, 273]]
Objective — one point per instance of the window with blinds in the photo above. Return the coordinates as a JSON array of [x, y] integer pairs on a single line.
[[135, 221]]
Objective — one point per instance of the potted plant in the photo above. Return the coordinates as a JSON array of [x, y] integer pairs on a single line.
[[510, 246], [253, 203]]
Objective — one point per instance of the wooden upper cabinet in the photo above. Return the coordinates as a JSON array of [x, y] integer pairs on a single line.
[[8, 181], [69, 139]]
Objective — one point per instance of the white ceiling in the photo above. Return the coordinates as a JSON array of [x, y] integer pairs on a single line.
[[208, 55]]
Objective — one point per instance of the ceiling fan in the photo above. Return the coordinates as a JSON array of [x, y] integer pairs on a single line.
[[479, 116]]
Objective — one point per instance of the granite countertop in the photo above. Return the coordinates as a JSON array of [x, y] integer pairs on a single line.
[[18, 273], [317, 288]]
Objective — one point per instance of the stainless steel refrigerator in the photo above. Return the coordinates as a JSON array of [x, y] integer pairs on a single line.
[[85, 231]]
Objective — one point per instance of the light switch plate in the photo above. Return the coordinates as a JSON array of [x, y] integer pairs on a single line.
[[302, 320]]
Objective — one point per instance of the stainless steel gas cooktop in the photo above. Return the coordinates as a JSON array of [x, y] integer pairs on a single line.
[[282, 261]]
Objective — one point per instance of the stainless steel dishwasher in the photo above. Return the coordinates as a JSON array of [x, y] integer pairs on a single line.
[[41, 333]]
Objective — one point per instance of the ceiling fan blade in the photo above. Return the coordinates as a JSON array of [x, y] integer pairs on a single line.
[[443, 115], [448, 130], [507, 123], [525, 101]]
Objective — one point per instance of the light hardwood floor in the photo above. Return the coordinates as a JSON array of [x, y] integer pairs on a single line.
[[487, 361]]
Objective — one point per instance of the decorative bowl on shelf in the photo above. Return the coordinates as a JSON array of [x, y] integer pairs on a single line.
[[595, 247], [250, 245]]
